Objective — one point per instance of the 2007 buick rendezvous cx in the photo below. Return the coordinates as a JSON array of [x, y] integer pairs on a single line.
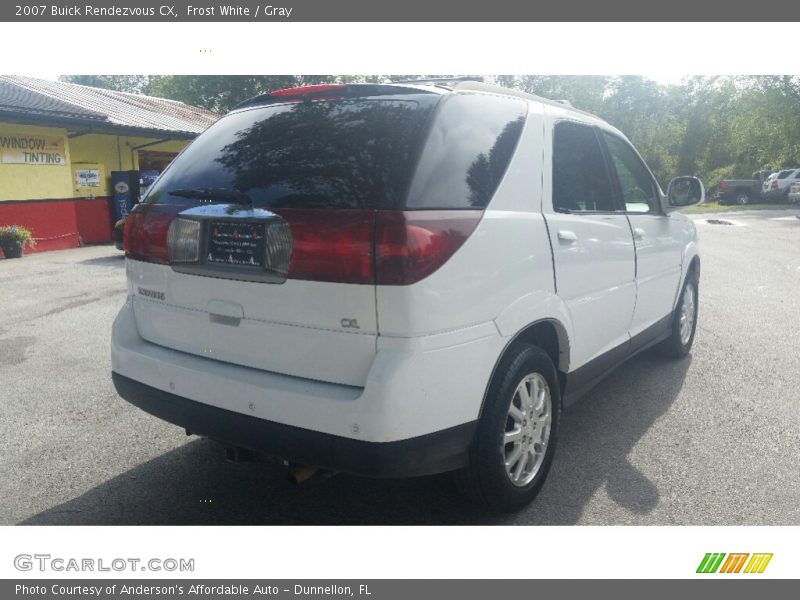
[[397, 280]]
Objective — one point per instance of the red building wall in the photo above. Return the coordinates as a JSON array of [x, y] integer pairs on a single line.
[[61, 224], [94, 219]]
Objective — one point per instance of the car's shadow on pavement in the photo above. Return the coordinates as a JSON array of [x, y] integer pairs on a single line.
[[114, 260], [193, 484], [596, 439]]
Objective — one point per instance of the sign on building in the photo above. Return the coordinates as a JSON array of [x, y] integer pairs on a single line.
[[32, 150], [87, 178]]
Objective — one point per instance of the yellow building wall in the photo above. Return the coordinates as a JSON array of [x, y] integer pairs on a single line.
[[91, 151], [114, 153], [35, 182]]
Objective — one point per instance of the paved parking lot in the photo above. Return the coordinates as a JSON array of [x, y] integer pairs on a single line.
[[713, 439]]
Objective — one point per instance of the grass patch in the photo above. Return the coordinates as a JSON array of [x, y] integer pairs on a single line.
[[715, 207]]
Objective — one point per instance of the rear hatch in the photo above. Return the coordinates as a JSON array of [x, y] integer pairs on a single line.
[[255, 246], [264, 242]]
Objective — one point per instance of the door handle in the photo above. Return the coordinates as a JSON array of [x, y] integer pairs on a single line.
[[229, 310], [639, 233], [565, 235]]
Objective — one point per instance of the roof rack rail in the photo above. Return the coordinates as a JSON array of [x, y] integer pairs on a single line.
[[478, 86], [443, 81]]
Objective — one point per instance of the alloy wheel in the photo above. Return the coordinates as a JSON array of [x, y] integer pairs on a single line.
[[527, 430], [688, 314]]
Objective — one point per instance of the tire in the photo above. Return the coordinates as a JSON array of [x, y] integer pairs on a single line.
[[681, 338], [487, 480], [742, 197]]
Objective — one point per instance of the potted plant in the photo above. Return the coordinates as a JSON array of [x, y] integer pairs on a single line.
[[14, 238]]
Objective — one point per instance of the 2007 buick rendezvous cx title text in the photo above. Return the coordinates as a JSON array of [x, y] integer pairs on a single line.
[[220, 10]]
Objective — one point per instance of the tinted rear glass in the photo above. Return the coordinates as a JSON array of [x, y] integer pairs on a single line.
[[349, 153], [469, 147], [355, 153]]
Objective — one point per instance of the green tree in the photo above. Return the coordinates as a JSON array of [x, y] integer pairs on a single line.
[[134, 84], [713, 127]]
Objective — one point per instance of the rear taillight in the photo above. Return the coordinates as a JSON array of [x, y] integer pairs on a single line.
[[183, 241], [342, 246], [774, 184], [146, 232], [278, 249], [383, 247], [723, 186], [410, 245], [330, 244]]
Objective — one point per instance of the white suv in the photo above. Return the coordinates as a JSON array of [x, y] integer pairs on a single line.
[[778, 187], [399, 280]]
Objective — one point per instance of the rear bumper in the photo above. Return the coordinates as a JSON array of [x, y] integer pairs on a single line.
[[417, 399], [424, 455]]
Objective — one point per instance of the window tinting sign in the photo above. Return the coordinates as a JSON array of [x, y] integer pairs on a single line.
[[239, 244], [32, 150]]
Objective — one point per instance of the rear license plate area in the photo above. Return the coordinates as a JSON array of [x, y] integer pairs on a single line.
[[236, 244]]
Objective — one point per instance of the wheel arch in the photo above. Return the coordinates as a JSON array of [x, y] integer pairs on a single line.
[[694, 265], [690, 264], [548, 334]]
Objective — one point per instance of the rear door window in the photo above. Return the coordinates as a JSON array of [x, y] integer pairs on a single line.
[[580, 177]]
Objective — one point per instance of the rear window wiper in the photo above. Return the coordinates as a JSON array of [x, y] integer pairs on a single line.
[[213, 195]]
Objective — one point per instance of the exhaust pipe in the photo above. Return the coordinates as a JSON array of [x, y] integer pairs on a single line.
[[297, 473], [301, 473], [237, 455]]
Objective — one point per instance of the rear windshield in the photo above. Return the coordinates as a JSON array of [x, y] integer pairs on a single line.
[[352, 153]]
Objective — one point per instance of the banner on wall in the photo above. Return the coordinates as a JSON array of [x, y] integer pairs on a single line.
[[87, 178], [32, 150]]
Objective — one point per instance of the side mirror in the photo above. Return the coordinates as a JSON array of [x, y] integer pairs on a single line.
[[684, 191]]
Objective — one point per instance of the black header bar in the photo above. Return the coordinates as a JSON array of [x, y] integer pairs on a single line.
[[381, 11]]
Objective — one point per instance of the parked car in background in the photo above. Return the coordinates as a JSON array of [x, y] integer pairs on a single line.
[[362, 278], [777, 189], [742, 191], [794, 193]]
